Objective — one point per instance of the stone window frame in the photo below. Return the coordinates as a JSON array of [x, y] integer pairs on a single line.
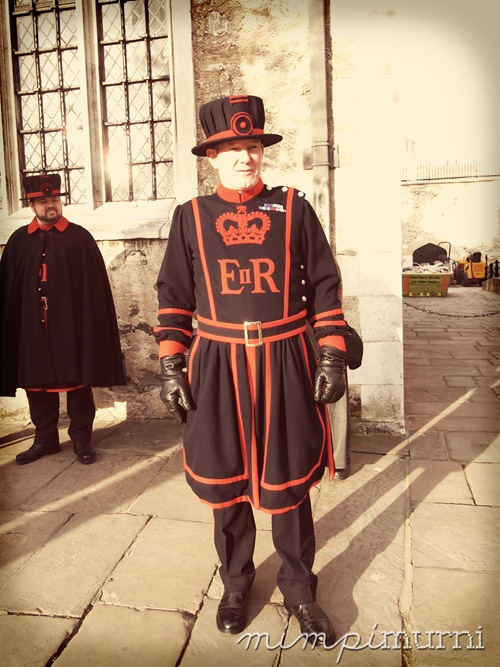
[[106, 220]]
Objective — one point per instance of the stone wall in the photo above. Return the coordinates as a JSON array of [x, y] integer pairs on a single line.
[[258, 47]]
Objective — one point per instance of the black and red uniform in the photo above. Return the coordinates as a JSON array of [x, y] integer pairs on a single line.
[[252, 268], [58, 328]]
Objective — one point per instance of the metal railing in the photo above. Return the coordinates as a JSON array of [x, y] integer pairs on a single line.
[[430, 171], [492, 269]]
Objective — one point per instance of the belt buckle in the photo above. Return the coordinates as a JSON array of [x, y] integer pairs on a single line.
[[45, 302], [259, 331]]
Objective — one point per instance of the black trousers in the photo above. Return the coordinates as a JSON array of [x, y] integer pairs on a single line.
[[294, 541], [44, 411]]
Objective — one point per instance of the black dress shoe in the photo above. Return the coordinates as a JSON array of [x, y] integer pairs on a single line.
[[35, 452], [313, 622], [232, 612], [84, 453], [342, 473]]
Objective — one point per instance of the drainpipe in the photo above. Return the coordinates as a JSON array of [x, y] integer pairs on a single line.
[[321, 157]]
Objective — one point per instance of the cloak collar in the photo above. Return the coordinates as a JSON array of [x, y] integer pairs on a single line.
[[60, 225], [237, 197]]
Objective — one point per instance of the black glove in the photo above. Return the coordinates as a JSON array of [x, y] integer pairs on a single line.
[[329, 382], [175, 391]]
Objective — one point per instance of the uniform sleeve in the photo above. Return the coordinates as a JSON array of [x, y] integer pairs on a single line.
[[324, 311], [175, 285]]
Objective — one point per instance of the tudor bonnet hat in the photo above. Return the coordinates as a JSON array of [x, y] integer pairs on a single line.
[[42, 185], [233, 118]]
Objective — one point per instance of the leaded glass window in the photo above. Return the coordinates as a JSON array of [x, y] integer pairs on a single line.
[[134, 62], [47, 88]]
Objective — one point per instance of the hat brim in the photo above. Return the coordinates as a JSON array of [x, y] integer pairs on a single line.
[[267, 139], [59, 194]]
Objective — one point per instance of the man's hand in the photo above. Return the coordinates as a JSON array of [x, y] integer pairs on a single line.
[[175, 392], [329, 382]]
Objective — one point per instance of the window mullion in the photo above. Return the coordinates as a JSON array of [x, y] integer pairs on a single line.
[[92, 110]]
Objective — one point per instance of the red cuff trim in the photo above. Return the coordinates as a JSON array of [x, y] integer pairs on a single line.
[[170, 347], [334, 341]]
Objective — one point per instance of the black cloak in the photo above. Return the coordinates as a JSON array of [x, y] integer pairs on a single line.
[[83, 345]]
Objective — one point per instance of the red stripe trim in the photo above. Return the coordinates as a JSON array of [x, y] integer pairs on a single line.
[[229, 332], [192, 354], [169, 347], [236, 384], [236, 197], [199, 234], [252, 385], [268, 402], [229, 134], [175, 311], [238, 99], [288, 236], [327, 313], [240, 327], [80, 386], [241, 341], [326, 323], [42, 195], [247, 499], [333, 341], [212, 480]]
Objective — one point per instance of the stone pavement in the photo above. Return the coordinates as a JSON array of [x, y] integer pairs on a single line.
[[113, 564]]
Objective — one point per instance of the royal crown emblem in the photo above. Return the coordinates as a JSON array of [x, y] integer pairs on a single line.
[[243, 227]]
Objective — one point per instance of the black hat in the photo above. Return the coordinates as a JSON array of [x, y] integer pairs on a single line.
[[42, 185], [233, 118]]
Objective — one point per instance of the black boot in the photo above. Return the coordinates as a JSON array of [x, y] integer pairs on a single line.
[[314, 623], [84, 453], [232, 612], [35, 452]]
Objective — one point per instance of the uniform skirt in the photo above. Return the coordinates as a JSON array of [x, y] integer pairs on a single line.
[[256, 434]]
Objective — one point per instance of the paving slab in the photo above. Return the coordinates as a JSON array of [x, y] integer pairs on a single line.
[[143, 437], [14, 432], [19, 483], [462, 409], [112, 636], [465, 604], [378, 443], [111, 484], [65, 574], [451, 423], [207, 648], [456, 537], [170, 497], [31, 641], [430, 446], [484, 480], [169, 566], [433, 392], [438, 481], [22, 535], [470, 446], [360, 527]]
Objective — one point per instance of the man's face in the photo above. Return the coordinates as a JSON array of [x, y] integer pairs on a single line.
[[238, 162], [48, 210]]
